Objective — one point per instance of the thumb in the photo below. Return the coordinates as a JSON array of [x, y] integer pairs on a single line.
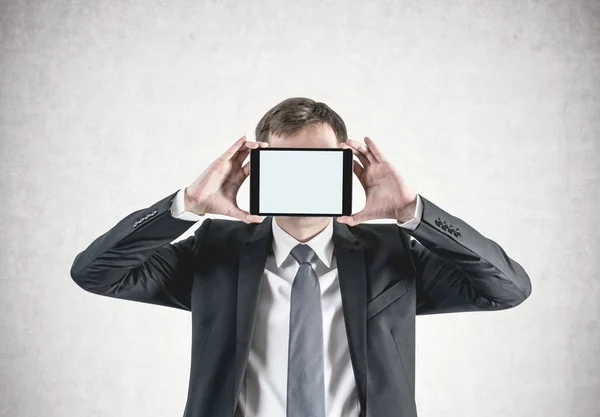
[[353, 220], [245, 216]]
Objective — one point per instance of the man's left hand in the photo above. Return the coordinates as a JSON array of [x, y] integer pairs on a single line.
[[387, 194]]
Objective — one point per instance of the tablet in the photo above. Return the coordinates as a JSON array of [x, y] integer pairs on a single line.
[[301, 182]]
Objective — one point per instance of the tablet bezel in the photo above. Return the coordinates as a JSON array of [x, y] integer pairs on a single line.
[[347, 170]]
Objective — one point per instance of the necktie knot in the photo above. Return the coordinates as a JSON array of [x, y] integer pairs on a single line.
[[302, 253]]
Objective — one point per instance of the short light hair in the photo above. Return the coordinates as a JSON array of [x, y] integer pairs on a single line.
[[295, 113]]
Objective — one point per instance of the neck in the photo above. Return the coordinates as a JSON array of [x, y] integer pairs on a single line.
[[303, 229]]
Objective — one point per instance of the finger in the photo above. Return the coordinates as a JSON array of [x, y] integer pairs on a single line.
[[245, 150], [245, 147], [363, 159], [362, 148], [252, 144], [374, 149], [358, 169], [246, 169], [241, 156], [229, 153]]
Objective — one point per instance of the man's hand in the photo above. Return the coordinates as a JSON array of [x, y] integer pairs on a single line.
[[387, 194], [215, 190]]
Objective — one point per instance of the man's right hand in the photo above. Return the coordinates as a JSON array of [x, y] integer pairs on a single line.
[[215, 190]]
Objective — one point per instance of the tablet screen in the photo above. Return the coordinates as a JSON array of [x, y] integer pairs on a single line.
[[298, 181]]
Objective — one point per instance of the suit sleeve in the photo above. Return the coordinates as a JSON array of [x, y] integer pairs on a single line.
[[136, 261], [458, 270]]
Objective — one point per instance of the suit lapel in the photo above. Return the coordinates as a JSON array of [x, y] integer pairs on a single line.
[[349, 254], [252, 260]]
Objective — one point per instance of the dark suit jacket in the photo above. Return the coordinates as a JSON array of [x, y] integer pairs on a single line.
[[386, 279]]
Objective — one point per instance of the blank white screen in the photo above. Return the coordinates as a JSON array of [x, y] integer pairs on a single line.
[[301, 181]]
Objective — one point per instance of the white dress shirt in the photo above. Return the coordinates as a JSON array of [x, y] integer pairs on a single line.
[[264, 388]]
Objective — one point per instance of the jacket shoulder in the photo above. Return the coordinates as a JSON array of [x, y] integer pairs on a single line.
[[228, 233], [378, 233]]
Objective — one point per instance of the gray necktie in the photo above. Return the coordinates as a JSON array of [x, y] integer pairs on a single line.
[[306, 386]]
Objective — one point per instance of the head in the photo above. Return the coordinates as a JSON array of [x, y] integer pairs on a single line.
[[303, 123], [289, 122]]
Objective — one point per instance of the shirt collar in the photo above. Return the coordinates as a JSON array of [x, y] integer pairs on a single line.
[[321, 244]]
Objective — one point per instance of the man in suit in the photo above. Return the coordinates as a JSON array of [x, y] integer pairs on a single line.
[[302, 316]]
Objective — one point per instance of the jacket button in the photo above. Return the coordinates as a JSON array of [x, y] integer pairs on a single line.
[[457, 234], [438, 222], [451, 229], [444, 226]]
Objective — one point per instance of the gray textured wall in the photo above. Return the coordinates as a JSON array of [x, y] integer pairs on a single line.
[[490, 108]]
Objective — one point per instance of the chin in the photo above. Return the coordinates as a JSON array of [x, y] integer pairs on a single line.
[[304, 220], [309, 220]]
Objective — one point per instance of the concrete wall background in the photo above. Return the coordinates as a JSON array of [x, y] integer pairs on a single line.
[[490, 108]]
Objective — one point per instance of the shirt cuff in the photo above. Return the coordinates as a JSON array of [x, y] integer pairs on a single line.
[[414, 222], [178, 208]]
